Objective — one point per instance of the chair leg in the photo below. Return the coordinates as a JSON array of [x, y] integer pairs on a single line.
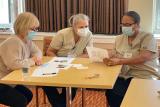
[[37, 102], [44, 98], [83, 96]]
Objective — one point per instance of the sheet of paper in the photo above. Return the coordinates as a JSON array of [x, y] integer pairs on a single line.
[[76, 65], [45, 70], [62, 60], [79, 66], [97, 54], [52, 67]]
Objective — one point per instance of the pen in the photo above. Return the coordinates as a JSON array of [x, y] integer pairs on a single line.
[[48, 73]]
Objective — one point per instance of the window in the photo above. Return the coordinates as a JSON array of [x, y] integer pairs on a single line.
[[156, 23], [9, 9], [4, 9]]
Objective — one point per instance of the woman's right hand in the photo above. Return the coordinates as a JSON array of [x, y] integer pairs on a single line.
[[37, 60]]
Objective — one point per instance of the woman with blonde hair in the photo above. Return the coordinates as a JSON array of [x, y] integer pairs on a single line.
[[14, 53]]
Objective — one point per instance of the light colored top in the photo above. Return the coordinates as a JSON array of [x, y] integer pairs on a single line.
[[143, 41], [65, 44], [142, 93], [97, 75], [13, 53]]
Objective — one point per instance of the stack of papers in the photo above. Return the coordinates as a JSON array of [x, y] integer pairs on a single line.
[[52, 67], [97, 54]]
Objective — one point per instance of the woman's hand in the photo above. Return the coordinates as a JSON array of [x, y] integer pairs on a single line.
[[112, 61], [37, 60]]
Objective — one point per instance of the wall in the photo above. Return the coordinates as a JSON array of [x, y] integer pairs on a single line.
[[145, 9], [101, 41]]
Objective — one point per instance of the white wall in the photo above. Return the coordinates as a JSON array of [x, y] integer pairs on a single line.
[[145, 9]]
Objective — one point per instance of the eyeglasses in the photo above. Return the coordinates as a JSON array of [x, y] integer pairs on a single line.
[[34, 29], [83, 26], [126, 24]]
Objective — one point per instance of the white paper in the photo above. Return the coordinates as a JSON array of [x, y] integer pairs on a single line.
[[76, 65], [45, 70], [52, 67], [79, 66], [83, 67], [97, 54], [62, 60]]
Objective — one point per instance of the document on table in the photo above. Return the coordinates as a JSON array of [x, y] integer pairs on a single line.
[[97, 54], [45, 70], [64, 60], [52, 67]]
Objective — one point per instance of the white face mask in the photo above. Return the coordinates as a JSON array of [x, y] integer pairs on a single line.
[[83, 31], [127, 31]]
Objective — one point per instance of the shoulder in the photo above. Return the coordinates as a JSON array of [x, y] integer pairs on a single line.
[[145, 36], [65, 30], [10, 43], [120, 37]]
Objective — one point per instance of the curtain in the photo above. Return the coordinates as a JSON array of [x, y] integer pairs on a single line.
[[105, 15]]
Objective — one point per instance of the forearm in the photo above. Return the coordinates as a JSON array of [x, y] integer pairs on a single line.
[[37, 54], [18, 64], [85, 55], [134, 60], [51, 52], [114, 54], [35, 51]]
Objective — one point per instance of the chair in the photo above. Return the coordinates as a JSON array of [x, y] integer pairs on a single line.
[[91, 98], [46, 42], [39, 98]]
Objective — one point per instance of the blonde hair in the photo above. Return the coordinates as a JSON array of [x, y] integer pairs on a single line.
[[74, 19], [24, 22]]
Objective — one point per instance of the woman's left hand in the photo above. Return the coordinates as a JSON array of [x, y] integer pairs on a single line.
[[111, 61]]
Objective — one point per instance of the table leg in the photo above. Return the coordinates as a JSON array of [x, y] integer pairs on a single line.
[[68, 96]]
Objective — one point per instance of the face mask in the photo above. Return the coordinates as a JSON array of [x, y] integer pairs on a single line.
[[31, 35], [127, 31], [83, 31]]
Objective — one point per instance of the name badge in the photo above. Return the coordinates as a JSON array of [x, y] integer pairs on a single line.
[[127, 55]]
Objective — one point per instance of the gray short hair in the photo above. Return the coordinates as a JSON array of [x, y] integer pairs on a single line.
[[74, 19], [134, 15]]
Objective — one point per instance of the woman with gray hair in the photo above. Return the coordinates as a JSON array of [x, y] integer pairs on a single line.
[[71, 42]]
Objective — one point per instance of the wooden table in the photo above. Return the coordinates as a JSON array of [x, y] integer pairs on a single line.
[[71, 77], [142, 93]]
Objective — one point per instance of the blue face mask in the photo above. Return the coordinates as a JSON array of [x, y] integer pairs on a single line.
[[127, 31], [31, 35]]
